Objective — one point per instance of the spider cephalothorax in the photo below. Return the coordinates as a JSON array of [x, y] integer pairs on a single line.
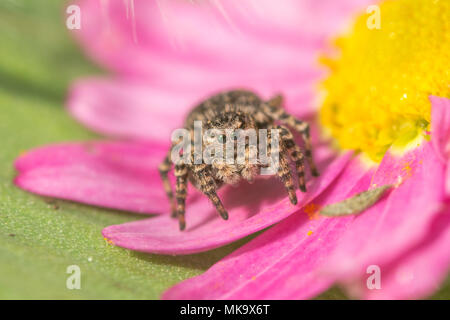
[[231, 117]]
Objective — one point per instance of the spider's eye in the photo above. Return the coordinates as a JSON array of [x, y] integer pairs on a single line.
[[221, 138], [235, 135]]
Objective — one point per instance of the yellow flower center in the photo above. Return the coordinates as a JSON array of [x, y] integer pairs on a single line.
[[377, 92]]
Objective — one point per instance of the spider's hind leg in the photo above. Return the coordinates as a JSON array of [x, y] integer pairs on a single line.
[[276, 101]]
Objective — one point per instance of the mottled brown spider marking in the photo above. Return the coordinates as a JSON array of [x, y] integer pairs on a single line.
[[238, 109], [181, 174], [295, 154], [208, 187], [284, 171]]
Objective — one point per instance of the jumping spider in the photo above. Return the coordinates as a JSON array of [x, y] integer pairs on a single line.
[[238, 109]]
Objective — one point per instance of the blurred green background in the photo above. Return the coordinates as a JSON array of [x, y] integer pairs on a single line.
[[39, 237]]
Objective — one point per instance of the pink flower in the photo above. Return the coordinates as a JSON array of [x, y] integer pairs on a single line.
[[169, 55]]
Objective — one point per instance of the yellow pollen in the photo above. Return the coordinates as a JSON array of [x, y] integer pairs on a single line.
[[108, 241], [377, 92], [407, 169]]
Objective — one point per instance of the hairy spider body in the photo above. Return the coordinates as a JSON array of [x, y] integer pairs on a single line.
[[238, 109]]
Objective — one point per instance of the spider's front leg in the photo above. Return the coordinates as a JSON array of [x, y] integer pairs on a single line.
[[274, 110], [295, 153], [181, 174], [283, 170], [208, 187], [164, 169]]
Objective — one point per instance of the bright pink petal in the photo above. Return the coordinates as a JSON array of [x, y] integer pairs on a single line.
[[191, 45], [440, 133], [421, 270], [265, 203], [440, 126], [280, 263], [129, 108], [118, 175], [184, 52], [447, 179], [385, 231], [216, 35]]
